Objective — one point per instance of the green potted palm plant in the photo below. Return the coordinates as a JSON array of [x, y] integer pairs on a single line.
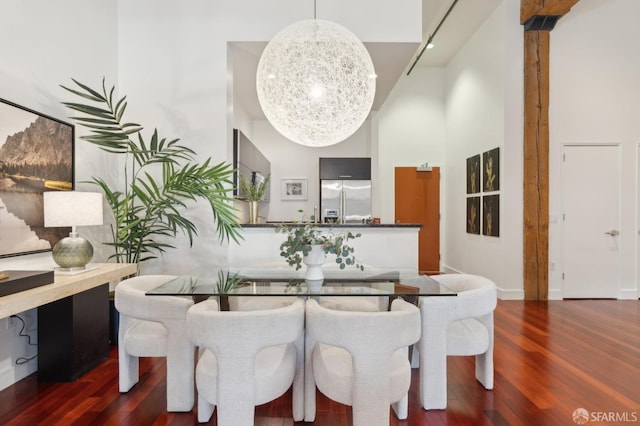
[[307, 243], [254, 191], [150, 209]]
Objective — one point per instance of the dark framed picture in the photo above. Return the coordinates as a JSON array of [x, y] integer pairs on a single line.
[[473, 215], [491, 170], [36, 155], [473, 174], [491, 215]]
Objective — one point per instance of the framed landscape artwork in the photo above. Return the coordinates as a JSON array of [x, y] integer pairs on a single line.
[[36, 155]]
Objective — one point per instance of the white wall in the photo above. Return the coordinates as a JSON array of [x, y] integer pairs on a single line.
[[173, 67], [411, 131], [483, 89], [45, 44], [292, 160], [594, 67], [171, 62]]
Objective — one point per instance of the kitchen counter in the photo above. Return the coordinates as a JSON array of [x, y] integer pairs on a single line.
[[386, 245], [333, 225]]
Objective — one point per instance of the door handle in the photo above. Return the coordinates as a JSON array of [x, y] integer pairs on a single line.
[[613, 232]]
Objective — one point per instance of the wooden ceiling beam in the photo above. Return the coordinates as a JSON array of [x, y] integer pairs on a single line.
[[531, 8]]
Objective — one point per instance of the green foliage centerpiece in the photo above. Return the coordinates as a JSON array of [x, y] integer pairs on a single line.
[[149, 209], [303, 235]]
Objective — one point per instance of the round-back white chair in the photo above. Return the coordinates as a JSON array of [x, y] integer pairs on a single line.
[[456, 325], [249, 358], [338, 303], [259, 303], [154, 326], [360, 359]]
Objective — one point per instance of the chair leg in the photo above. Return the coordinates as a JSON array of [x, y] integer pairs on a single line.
[[180, 375], [366, 413], [401, 407], [235, 392], [205, 410], [484, 369], [309, 381], [433, 374], [298, 381], [128, 366]]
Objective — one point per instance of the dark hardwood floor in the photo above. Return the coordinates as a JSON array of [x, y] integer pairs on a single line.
[[550, 359]]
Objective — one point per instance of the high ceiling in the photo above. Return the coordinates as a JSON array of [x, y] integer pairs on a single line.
[[463, 20], [391, 60]]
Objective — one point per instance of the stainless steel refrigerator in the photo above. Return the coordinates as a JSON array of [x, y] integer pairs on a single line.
[[345, 201]]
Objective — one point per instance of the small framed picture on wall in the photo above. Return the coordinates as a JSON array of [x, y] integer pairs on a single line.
[[491, 170], [491, 215], [473, 174], [473, 215], [293, 189]]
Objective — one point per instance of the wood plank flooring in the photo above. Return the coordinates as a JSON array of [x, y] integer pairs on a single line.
[[550, 359]]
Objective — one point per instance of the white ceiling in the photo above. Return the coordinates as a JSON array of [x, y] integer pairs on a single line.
[[463, 20], [390, 60]]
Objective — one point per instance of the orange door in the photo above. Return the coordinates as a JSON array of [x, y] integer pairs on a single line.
[[417, 200]]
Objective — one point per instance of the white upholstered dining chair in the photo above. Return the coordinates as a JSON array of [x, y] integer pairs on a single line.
[[249, 358], [456, 325], [338, 303], [259, 303], [154, 326], [360, 359]]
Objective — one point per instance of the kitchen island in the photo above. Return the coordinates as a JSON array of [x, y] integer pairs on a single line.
[[386, 246]]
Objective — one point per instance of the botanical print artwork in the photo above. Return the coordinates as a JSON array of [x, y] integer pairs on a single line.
[[294, 188], [489, 212], [473, 174], [491, 170], [473, 215], [36, 155], [491, 215]]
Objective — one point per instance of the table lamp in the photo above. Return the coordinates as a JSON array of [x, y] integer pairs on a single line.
[[71, 208]]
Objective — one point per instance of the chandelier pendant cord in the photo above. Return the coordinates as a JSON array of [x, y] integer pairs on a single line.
[[314, 10]]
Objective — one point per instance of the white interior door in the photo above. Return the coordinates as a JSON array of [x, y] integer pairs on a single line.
[[591, 194]]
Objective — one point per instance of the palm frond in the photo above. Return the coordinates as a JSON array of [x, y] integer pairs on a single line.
[[151, 210]]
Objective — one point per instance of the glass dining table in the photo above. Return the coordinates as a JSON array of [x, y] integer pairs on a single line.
[[251, 288], [205, 282]]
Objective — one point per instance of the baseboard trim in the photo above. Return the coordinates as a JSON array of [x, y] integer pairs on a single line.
[[502, 293], [555, 295], [510, 294], [628, 294], [13, 374]]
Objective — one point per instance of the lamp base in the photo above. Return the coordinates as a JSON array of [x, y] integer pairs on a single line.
[[76, 271], [72, 252]]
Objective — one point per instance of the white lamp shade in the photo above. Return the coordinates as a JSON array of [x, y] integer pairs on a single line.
[[71, 208], [316, 83]]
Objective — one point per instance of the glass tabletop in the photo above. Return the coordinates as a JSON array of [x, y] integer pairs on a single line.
[[218, 281]]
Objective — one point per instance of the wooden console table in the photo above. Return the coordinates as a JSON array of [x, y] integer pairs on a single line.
[[73, 319]]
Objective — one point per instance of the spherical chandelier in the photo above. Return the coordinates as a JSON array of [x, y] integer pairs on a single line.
[[316, 83]]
